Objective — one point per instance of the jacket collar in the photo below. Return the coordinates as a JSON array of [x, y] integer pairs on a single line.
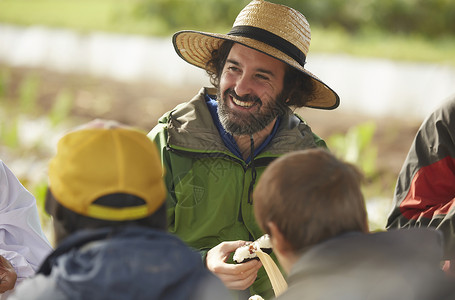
[[83, 237], [191, 128]]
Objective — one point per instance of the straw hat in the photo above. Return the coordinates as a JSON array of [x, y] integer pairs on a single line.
[[277, 30], [96, 162]]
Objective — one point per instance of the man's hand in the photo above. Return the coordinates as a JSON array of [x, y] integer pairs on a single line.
[[234, 276], [8, 275]]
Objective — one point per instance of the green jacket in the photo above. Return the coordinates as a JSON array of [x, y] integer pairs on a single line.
[[208, 185]]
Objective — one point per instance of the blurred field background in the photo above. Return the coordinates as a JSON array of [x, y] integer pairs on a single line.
[[39, 104]]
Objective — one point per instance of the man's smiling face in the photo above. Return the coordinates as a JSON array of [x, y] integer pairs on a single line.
[[250, 92]]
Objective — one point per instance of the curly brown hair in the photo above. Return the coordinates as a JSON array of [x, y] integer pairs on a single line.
[[298, 88]]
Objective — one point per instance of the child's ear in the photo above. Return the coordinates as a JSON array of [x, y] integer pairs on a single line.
[[282, 248], [279, 243]]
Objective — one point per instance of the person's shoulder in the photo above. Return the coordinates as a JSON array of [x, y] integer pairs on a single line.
[[425, 236], [162, 125], [448, 104], [195, 105], [294, 120], [444, 113], [5, 171]]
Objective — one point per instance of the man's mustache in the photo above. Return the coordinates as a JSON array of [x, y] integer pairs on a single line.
[[246, 98]]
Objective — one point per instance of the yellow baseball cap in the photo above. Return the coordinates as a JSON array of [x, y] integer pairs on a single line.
[[95, 162]]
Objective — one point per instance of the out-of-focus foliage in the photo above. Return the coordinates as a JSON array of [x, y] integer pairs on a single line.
[[412, 30], [356, 147], [81, 15], [191, 14], [428, 18], [431, 18]]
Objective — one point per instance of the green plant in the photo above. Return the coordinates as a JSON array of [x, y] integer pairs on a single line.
[[28, 93], [5, 82], [62, 106], [9, 132], [39, 191], [356, 147], [173, 14]]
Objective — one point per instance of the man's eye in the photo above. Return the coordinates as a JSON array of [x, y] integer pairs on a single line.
[[233, 68], [263, 77]]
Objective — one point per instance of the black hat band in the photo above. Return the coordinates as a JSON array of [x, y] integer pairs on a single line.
[[270, 39]]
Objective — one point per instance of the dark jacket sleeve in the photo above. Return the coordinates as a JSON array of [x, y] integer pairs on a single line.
[[425, 191]]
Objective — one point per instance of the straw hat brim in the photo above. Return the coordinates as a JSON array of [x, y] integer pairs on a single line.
[[195, 47]]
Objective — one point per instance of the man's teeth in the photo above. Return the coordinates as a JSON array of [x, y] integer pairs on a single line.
[[243, 103]]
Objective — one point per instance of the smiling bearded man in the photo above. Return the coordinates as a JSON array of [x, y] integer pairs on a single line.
[[217, 145], [240, 124], [250, 73]]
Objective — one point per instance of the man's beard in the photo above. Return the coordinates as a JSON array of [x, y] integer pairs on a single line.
[[238, 123]]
